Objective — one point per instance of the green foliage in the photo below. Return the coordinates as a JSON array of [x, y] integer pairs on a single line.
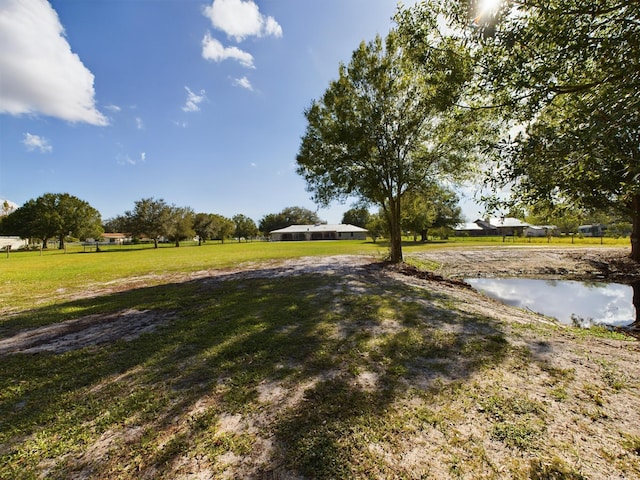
[[288, 216], [568, 72], [181, 224], [435, 207], [388, 125], [149, 217], [245, 227], [53, 215], [358, 216]]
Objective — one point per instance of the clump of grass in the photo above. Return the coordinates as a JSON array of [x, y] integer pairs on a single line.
[[522, 434], [554, 469], [501, 407], [612, 376], [518, 420], [631, 443], [422, 264], [559, 393]]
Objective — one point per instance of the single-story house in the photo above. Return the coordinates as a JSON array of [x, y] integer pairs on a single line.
[[505, 226], [474, 229], [14, 243], [116, 238], [540, 230], [318, 232], [509, 226]]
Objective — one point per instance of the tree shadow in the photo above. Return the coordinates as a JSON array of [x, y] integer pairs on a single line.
[[338, 347]]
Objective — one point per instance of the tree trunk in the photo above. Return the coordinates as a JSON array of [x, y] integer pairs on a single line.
[[61, 244], [635, 231], [395, 231], [636, 303], [423, 235], [155, 242]]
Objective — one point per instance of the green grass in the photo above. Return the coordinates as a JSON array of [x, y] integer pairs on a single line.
[[341, 378], [28, 276], [224, 341], [35, 277]]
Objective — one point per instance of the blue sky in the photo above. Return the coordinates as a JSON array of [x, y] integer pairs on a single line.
[[197, 102]]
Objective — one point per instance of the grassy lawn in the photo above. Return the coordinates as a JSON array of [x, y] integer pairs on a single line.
[[319, 375]]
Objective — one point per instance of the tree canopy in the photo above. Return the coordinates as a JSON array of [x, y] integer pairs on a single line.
[[149, 217], [245, 227], [288, 216], [434, 208], [53, 215], [388, 125], [358, 216], [568, 71]]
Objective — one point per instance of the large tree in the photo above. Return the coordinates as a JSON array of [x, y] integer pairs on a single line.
[[180, 225], [569, 70], [222, 227], [385, 127], [288, 216], [358, 216], [435, 207], [54, 215], [150, 217], [245, 227]]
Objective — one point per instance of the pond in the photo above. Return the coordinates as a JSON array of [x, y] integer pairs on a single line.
[[586, 302]]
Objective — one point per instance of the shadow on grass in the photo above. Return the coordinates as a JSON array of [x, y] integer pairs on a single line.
[[337, 348]]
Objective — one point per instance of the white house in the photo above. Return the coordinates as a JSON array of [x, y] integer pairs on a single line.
[[14, 243], [319, 232], [492, 226]]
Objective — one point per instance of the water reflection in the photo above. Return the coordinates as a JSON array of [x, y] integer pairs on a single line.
[[591, 302]]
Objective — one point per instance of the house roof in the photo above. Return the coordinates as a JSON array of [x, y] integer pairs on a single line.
[[468, 226], [507, 222], [114, 235], [338, 228]]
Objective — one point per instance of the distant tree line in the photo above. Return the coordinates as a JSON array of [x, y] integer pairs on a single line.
[[61, 216]]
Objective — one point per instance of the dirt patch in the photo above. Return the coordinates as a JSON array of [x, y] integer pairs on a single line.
[[453, 266], [611, 264], [83, 332], [585, 389]]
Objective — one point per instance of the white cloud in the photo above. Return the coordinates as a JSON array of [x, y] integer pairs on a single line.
[[34, 142], [124, 159], [240, 19], [193, 100], [139, 123], [243, 82], [40, 73], [213, 50], [113, 108], [180, 124]]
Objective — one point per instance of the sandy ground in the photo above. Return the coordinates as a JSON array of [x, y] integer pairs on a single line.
[[588, 358], [454, 265]]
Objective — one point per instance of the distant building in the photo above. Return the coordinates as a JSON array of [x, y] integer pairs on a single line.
[[595, 230], [14, 243], [540, 230], [116, 238], [505, 226], [318, 232]]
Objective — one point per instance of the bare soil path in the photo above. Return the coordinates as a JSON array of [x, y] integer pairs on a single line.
[[586, 389]]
